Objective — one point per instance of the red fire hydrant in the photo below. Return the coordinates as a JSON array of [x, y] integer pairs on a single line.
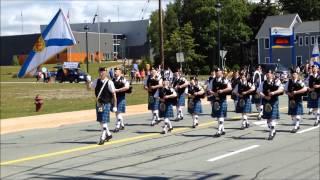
[[38, 101]]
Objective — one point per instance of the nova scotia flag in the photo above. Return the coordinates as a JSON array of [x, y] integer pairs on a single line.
[[55, 38]]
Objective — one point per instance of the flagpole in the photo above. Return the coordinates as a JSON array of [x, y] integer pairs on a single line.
[[99, 35], [69, 59]]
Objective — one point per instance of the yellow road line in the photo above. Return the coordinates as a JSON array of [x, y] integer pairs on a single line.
[[176, 130]]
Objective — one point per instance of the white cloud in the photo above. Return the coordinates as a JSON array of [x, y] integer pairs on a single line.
[[37, 12]]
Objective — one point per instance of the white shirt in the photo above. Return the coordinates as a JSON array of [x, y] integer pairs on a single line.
[[277, 82], [124, 81], [111, 87], [236, 89], [287, 84], [226, 81]]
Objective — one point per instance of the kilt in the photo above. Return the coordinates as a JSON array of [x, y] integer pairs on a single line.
[[222, 111], [298, 110], [274, 114], [196, 108], [256, 100], [246, 108], [121, 104], [153, 103], [104, 116], [181, 100], [168, 112], [313, 103]]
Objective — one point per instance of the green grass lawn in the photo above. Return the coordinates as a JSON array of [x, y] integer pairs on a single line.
[[17, 100], [8, 73]]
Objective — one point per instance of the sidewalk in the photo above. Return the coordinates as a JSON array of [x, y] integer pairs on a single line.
[[59, 119]]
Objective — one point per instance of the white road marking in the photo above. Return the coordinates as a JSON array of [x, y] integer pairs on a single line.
[[233, 153], [309, 129], [262, 123]]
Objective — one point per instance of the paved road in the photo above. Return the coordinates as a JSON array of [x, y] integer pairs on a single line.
[[140, 152]]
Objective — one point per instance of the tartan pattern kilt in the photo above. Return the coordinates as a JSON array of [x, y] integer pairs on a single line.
[[274, 114], [153, 104], [222, 111], [256, 100], [313, 103], [181, 99], [168, 112], [121, 104], [298, 110], [104, 117], [196, 108], [246, 108]]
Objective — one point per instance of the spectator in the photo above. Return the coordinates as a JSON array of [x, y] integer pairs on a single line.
[[137, 76], [111, 73], [142, 74]]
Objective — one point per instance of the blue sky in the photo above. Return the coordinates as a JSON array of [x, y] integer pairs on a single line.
[[37, 12]]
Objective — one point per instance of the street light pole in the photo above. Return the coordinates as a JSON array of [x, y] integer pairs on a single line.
[[218, 7], [86, 28], [161, 36]]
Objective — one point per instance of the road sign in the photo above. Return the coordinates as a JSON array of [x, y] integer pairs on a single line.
[[180, 57], [223, 53]]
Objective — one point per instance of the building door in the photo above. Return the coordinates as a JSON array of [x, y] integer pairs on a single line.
[[299, 60]]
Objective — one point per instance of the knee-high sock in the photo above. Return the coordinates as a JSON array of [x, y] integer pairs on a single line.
[[221, 126], [167, 121], [297, 124], [155, 115], [273, 126], [105, 128], [119, 120]]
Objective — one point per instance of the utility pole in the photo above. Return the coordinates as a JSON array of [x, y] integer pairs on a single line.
[[161, 36]]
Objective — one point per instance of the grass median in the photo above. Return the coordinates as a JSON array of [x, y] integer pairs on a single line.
[[17, 100]]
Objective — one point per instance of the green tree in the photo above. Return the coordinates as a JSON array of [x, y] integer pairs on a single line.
[[308, 10], [182, 40]]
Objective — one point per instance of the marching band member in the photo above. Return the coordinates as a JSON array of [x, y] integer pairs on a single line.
[[314, 89], [269, 90], [105, 95], [180, 84], [234, 81], [219, 88], [242, 90], [152, 84], [256, 99], [121, 87], [167, 96], [308, 75], [195, 93], [295, 88], [208, 81]]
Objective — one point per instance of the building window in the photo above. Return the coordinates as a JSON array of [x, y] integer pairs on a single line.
[[299, 60], [313, 39], [306, 40], [267, 59], [266, 43], [300, 41]]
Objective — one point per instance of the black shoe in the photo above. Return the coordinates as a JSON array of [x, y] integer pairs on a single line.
[[223, 133], [121, 127], [310, 112], [108, 138], [316, 123], [243, 127], [181, 118], [170, 129], [217, 134], [116, 130], [247, 125], [294, 130], [101, 141], [194, 126], [271, 136]]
